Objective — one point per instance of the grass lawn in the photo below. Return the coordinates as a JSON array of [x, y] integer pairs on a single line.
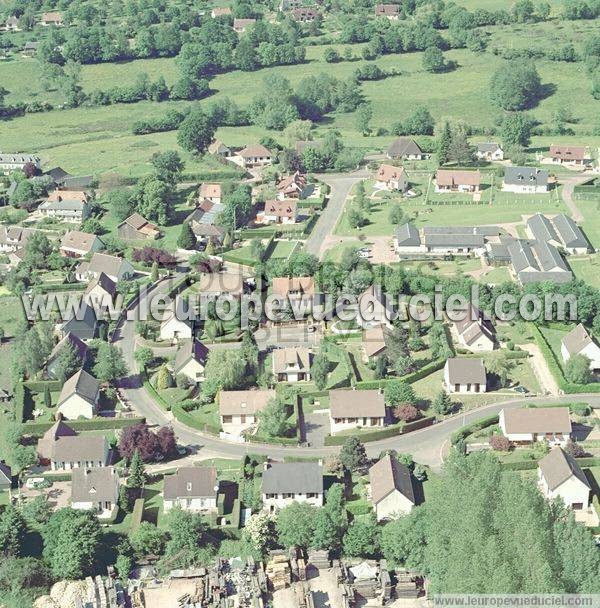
[[207, 415], [518, 332], [497, 275], [442, 267], [587, 269], [591, 223], [283, 249], [12, 315], [554, 334]]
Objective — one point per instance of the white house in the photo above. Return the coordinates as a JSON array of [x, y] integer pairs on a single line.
[[191, 489], [285, 483], [489, 150], [238, 410], [79, 396], [278, 211], [175, 329], [211, 192], [77, 244], [112, 266], [559, 475], [16, 162], [292, 364], [465, 375], [388, 177], [190, 360], [447, 180], [529, 180], [352, 409], [475, 330], [375, 308], [551, 424], [100, 292], [255, 155], [579, 342], [95, 489], [391, 488]]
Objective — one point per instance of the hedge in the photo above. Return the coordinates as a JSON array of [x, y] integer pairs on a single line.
[[415, 425], [525, 465], [465, 431], [390, 431], [359, 508], [271, 440], [236, 514], [581, 408], [220, 505], [187, 419], [39, 386], [137, 514], [96, 424], [58, 287], [424, 371]]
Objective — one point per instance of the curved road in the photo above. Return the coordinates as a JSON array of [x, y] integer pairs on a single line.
[[426, 445]]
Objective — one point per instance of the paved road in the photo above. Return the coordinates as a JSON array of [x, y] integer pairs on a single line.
[[340, 184], [569, 184]]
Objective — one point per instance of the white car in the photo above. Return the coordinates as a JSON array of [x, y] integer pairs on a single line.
[[34, 482]]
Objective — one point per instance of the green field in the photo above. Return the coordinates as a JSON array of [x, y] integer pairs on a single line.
[[587, 269]]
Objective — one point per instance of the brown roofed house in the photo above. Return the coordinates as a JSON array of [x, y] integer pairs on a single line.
[[211, 192], [559, 476], [524, 425], [77, 244], [52, 18], [255, 155], [570, 155], [190, 360], [475, 330], [580, 342], [392, 492], [292, 364], [388, 177], [447, 180], [374, 341], [293, 287], [241, 25], [137, 228], [465, 375], [238, 410], [350, 409], [406, 149], [220, 11], [292, 186], [391, 11], [279, 212], [191, 489]]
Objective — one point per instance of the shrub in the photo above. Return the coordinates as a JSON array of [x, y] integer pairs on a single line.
[[499, 443]]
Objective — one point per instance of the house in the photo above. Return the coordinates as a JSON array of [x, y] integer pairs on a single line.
[[218, 148], [211, 192], [79, 396], [458, 240], [203, 221], [287, 5], [228, 282], [137, 228], [174, 329], [238, 410], [278, 212], [352, 409], [465, 375], [579, 342], [83, 324], [190, 360], [408, 239], [115, 268], [5, 477], [69, 341], [30, 48], [559, 476], [13, 238], [292, 186], [52, 18], [293, 287], [525, 425], [11, 24], [101, 291], [65, 208], [388, 177], [63, 449], [391, 11], [489, 150], [391, 488], [255, 155], [577, 156], [77, 244], [447, 180], [17, 162], [292, 364], [529, 180], [374, 341], [285, 483], [405, 148], [475, 331], [374, 308], [304, 14], [220, 12], [191, 489], [95, 489], [241, 25]]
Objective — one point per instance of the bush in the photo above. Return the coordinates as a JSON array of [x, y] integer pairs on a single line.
[[499, 443]]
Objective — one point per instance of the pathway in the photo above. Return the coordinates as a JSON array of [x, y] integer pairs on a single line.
[[569, 184], [541, 369]]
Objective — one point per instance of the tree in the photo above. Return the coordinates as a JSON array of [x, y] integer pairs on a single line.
[[331, 521], [403, 539], [396, 215], [187, 238], [71, 541], [296, 525], [110, 364], [37, 510], [147, 539], [577, 369], [398, 392], [362, 538], [164, 379], [138, 438], [460, 151], [259, 531], [167, 166], [12, 532], [364, 114], [433, 60], [319, 370], [442, 404], [143, 357], [226, 369], [406, 413], [153, 198], [499, 443], [167, 443], [119, 203], [188, 544], [515, 86], [443, 144], [137, 472], [574, 449], [499, 364], [67, 362], [273, 419], [196, 132], [353, 455], [515, 130], [154, 272]]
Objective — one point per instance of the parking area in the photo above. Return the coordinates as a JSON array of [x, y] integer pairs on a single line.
[[58, 495], [316, 427]]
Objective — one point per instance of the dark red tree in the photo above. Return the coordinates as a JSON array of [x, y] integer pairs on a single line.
[[139, 437], [29, 169], [499, 443], [167, 443], [406, 412]]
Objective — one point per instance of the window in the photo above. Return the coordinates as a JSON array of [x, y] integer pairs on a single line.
[[289, 495], [271, 495], [311, 495], [227, 419]]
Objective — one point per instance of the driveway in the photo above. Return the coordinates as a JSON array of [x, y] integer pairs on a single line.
[[569, 184], [541, 369], [316, 427]]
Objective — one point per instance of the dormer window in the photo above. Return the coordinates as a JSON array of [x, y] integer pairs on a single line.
[[189, 486]]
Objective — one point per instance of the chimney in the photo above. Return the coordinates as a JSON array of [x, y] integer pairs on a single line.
[[86, 472]]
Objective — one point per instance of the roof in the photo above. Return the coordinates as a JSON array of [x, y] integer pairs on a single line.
[[446, 177], [558, 466], [103, 262], [59, 429], [530, 176], [78, 448], [373, 339], [254, 150], [388, 475], [52, 16], [105, 283], [210, 190], [407, 235], [474, 324], [79, 345], [80, 383], [18, 159], [386, 173], [282, 286], [57, 173], [193, 349], [577, 339], [242, 23], [140, 223], [5, 472], [221, 282], [14, 235], [84, 320], [285, 208], [293, 478], [541, 228], [387, 9], [466, 370], [548, 257], [292, 183], [403, 146], [191, 482], [568, 152], [537, 420], [569, 232], [244, 402], [82, 241], [64, 204], [353, 404], [488, 146], [283, 358], [454, 240], [99, 484], [221, 10]]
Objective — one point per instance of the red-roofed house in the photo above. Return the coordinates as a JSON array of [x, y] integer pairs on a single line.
[[278, 212], [388, 177]]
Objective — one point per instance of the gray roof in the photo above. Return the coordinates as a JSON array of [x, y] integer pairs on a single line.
[[94, 485], [191, 482], [466, 370], [77, 182], [541, 228], [83, 323], [557, 467], [388, 475], [76, 239], [353, 404], [65, 204], [192, 349], [453, 240], [488, 146], [403, 146], [531, 176], [105, 283], [19, 159], [408, 236], [59, 429], [103, 262], [521, 255], [569, 232], [293, 478], [77, 448], [577, 339], [548, 257], [80, 383], [460, 230]]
